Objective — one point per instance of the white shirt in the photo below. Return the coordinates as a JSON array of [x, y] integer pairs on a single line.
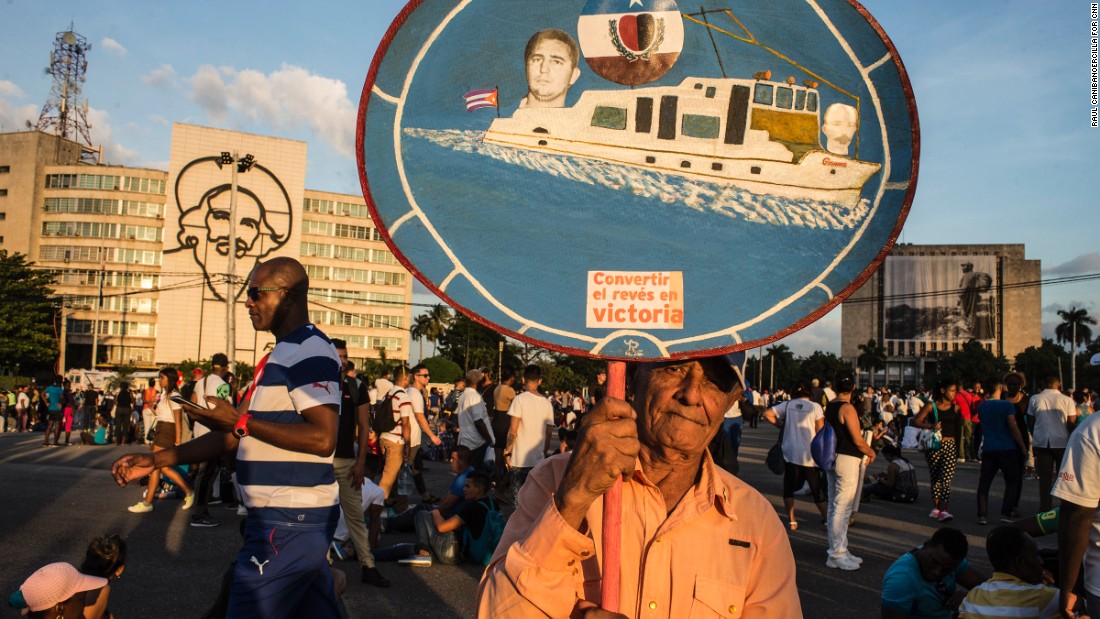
[[800, 425], [372, 495], [471, 408], [1079, 482], [1051, 410], [211, 385], [416, 400], [535, 414], [734, 411], [382, 387], [165, 408], [22, 401], [402, 409]]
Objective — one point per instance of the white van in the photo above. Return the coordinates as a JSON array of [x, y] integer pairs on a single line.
[[83, 379]]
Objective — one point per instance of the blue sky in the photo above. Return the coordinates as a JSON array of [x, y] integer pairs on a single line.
[[1002, 88]]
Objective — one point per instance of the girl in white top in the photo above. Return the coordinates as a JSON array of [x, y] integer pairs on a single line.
[[169, 420]]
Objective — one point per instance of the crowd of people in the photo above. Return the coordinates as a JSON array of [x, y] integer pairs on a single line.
[[321, 461]]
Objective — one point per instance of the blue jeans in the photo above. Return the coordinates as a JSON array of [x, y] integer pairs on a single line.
[[444, 545], [732, 427]]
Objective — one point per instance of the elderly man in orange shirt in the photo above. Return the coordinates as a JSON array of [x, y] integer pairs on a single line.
[[696, 541]]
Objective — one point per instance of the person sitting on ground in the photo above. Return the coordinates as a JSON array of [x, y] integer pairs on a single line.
[[1017, 588], [449, 504], [56, 590], [105, 558], [922, 583], [445, 537], [898, 483]]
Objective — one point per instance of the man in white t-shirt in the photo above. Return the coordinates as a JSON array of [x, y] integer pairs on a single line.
[[1054, 414], [394, 443], [420, 427], [800, 419], [212, 385], [531, 428], [1078, 485], [382, 385], [474, 431]]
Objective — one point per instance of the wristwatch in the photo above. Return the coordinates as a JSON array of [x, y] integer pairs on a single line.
[[241, 429]]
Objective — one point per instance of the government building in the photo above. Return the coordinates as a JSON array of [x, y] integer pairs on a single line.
[[926, 301], [140, 257]]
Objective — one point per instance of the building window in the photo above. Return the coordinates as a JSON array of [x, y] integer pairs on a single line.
[[5, 169], [3, 216], [3, 192]]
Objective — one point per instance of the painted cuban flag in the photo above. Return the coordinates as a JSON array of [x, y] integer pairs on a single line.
[[631, 42], [478, 99]]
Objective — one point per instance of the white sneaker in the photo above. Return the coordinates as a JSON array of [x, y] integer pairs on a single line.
[[945, 516], [242, 510], [854, 559], [935, 513], [417, 561], [141, 507], [842, 563]]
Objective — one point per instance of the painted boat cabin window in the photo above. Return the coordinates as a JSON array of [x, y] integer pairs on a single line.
[[800, 100], [699, 126], [811, 102], [711, 91], [784, 98], [609, 117], [764, 93]]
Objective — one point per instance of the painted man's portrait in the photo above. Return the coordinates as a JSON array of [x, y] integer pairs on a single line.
[[263, 218]]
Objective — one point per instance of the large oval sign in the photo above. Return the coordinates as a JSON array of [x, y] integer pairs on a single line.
[[721, 203]]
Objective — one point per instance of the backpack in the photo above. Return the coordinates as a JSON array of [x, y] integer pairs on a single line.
[[481, 549], [187, 391], [383, 420], [905, 486], [823, 447]]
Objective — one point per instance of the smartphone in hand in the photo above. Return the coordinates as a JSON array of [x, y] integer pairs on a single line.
[[185, 403]]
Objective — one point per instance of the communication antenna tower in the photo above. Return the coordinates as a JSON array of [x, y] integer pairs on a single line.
[[66, 112]]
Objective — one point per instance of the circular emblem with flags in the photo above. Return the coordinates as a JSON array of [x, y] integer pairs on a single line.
[[631, 42]]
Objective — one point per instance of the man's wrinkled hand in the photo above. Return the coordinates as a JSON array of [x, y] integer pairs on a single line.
[[607, 449], [132, 466]]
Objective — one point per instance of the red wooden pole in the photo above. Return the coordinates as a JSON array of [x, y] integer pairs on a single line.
[[613, 508]]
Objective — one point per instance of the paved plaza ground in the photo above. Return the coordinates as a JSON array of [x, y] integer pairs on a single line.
[[54, 500]]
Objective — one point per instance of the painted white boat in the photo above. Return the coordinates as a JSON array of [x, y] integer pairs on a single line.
[[756, 134]]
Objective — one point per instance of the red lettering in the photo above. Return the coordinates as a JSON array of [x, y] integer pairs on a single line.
[[834, 164]]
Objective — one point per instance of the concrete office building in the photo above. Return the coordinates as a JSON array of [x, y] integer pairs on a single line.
[[928, 300], [156, 243]]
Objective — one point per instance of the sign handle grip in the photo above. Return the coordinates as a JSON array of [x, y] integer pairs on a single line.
[[613, 508]]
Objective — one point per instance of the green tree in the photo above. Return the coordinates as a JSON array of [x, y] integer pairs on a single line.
[[872, 358], [419, 331], [1074, 330], [559, 378], [27, 335], [443, 370], [972, 363], [821, 365], [439, 318], [1037, 362]]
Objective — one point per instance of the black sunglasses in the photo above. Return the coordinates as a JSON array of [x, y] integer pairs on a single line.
[[253, 292]]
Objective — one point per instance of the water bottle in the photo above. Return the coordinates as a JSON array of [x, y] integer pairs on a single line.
[[405, 481]]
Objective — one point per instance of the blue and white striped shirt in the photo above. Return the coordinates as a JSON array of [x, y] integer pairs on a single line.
[[303, 371]]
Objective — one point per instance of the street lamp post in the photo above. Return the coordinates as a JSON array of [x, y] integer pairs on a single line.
[[239, 164]]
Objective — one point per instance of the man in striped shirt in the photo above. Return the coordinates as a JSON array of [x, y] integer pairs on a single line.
[[284, 444], [1016, 589]]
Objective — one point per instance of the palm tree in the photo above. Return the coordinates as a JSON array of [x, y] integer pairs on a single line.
[[1074, 331], [439, 320], [419, 330], [872, 357]]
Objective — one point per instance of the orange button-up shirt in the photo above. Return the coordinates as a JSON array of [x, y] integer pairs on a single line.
[[722, 552]]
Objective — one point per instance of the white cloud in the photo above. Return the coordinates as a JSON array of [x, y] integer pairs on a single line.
[[101, 133], [1085, 263], [289, 98], [15, 117], [160, 77], [112, 45], [10, 90]]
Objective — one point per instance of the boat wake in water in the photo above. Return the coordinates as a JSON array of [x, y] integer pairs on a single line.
[[702, 196]]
